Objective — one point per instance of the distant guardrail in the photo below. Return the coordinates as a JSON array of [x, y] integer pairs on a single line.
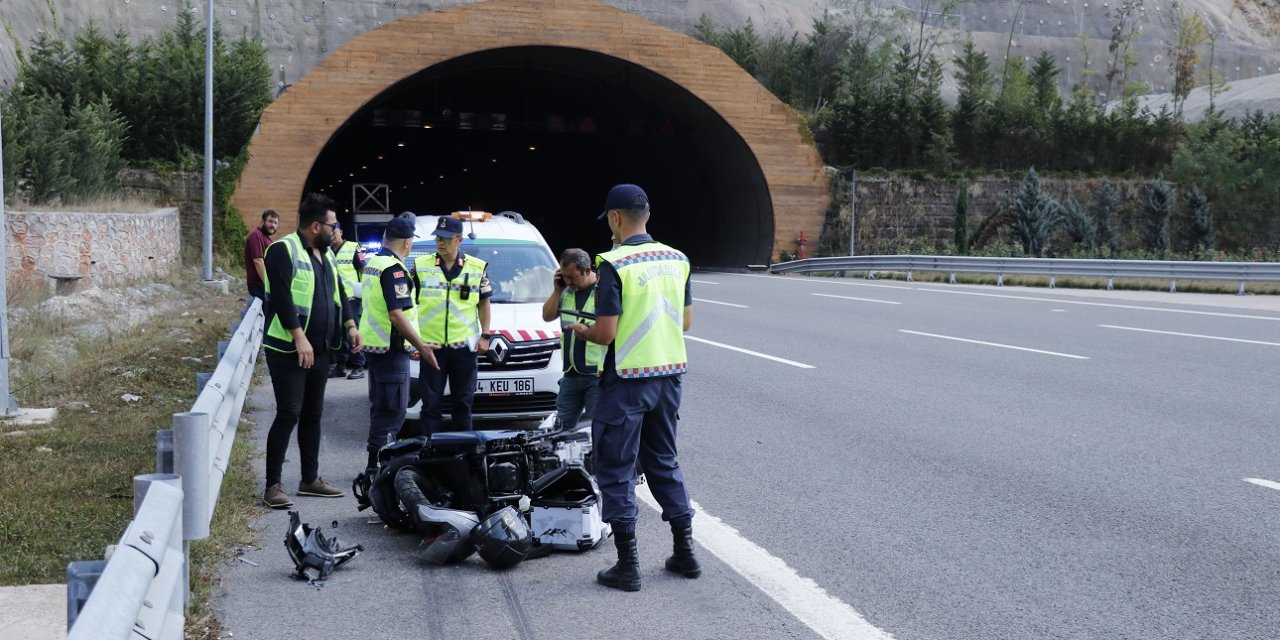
[[141, 590], [1171, 270]]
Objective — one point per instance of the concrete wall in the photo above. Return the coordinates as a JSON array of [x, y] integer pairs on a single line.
[[103, 248]]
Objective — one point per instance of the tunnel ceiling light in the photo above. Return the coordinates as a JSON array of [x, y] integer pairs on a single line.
[[494, 161], [351, 175], [364, 166], [422, 182], [379, 157], [426, 126], [442, 177], [532, 148], [399, 144], [464, 169]]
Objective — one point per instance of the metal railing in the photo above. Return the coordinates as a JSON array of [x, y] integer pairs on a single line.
[[1171, 270], [141, 590]]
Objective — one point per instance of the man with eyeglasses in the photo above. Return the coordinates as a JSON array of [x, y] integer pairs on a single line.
[[305, 321]]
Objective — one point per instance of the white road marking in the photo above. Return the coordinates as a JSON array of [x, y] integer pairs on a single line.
[[1190, 335], [750, 353], [701, 281], [826, 614], [829, 281], [1103, 304], [1058, 310], [726, 304], [827, 295], [1264, 483], [995, 344]]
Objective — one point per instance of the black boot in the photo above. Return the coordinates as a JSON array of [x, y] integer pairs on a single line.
[[682, 560], [625, 574]]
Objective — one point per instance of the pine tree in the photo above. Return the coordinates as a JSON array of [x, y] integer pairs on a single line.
[[1035, 215], [1078, 225], [1198, 221], [1104, 211], [1157, 209]]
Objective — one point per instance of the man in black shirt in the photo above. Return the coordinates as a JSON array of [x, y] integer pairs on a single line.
[[305, 319]]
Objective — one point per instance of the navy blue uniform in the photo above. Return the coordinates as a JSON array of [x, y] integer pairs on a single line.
[[389, 370], [635, 419]]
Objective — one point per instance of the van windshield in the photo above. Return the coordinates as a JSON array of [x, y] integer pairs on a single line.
[[518, 272]]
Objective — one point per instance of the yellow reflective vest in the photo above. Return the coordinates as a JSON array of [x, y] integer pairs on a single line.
[[593, 354], [445, 316], [302, 286], [375, 323], [650, 338], [345, 258]]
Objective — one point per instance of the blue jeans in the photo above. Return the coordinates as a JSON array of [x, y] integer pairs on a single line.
[[577, 397]]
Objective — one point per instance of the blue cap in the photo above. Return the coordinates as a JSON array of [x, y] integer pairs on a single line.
[[448, 227], [400, 227], [624, 196]]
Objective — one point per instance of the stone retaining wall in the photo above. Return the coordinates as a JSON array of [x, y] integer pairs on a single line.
[[104, 249]]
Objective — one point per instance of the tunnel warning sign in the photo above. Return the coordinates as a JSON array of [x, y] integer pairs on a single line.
[[371, 198]]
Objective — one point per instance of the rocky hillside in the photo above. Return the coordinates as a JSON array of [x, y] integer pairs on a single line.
[[299, 33]]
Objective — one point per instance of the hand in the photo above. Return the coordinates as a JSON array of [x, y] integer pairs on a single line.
[[482, 346], [357, 343], [426, 354], [578, 328], [306, 355], [559, 281]]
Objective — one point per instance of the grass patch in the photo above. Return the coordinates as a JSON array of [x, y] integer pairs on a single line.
[[66, 488]]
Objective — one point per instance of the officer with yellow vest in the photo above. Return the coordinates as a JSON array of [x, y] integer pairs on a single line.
[[389, 330], [453, 312], [573, 299], [350, 263], [643, 300], [305, 319]]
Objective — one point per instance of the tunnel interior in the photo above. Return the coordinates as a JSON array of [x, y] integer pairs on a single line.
[[545, 131]]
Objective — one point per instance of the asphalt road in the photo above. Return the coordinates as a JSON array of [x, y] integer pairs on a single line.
[[944, 461]]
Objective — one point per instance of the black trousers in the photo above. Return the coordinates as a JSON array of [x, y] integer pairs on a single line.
[[300, 403], [458, 365], [343, 357], [389, 399]]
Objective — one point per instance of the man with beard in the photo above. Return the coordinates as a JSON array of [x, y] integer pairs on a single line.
[[255, 245], [306, 318]]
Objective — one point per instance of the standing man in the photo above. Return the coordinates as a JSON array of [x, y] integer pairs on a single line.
[[389, 331], [305, 321], [574, 301], [255, 246], [350, 265], [453, 312], [642, 311]]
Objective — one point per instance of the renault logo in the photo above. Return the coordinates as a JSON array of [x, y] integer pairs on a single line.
[[499, 349]]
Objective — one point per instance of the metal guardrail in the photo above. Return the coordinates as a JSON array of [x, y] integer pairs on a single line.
[[141, 590], [1171, 270]]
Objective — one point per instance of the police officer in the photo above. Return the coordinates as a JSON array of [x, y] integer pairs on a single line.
[[453, 312], [305, 320], [350, 265], [389, 331], [573, 299], [643, 307]]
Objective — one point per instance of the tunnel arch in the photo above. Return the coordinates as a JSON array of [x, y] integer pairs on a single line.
[[562, 98]]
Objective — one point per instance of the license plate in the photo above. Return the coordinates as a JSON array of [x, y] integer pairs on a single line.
[[505, 387]]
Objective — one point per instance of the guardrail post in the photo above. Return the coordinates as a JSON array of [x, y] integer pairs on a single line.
[[1241, 291], [1000, 280], [952, 279], [202, 379], [164, 451], [222, 347], [191, 460], [1111, 284], [81, 578], [909, 276], [1173, 286], [1052, 281]]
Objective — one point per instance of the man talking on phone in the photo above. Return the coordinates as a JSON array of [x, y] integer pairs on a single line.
[[574, 300]]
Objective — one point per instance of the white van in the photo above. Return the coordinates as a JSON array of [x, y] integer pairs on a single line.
[[519, 377]]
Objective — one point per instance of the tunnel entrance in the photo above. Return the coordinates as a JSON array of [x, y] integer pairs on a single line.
[[545, 131]]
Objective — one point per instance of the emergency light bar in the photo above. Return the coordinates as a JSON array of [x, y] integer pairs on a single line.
[[473, 216]]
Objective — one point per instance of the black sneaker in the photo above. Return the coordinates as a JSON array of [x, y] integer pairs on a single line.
[[337, 371], [356, 373]]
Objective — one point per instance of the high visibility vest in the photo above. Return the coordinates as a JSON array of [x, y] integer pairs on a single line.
[[444, 317], [592, 353], [345, 258], [302, 286], [375, 323], [650, 338]]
